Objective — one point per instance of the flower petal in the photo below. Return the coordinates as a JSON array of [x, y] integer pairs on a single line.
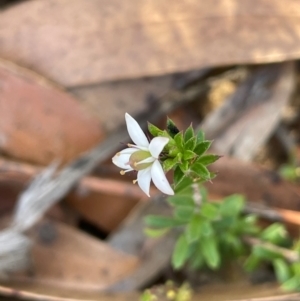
[[156, 146], [121, 159], [144, 179], [135, 132], [159, 178]]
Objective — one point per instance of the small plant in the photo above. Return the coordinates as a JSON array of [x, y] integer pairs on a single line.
[[209, 233]]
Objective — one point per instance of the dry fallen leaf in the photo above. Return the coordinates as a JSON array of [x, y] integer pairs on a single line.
[[40, 122], [64, 257], [77, 43]]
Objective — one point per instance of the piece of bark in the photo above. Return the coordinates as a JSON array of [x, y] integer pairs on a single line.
[[40, 122], [67, 258], [109, 101], [256, 183], [79, 43], [247, 119]]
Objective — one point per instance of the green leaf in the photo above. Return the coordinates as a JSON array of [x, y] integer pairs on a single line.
[[207, 229], [180, 253], [190, 144], [208, 159], [161, 221], [275, 233], [197, 261], [210, 252], [171, 128], [178, 138], [293, 284], [289, 172], [252, 263], [200, 136], [189, 133], [169, 164], [183, 213], [155, 232], [183, 184], [210, 211], [232, 205], [184, 166], [296, 268], [264, 253], [181, 200], [188, 154], [202, 147], [193, 230], [154, 131], [234, 243], [282, 269], [178, 175], [201, 171]]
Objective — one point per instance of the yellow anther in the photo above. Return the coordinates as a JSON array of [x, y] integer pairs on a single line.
[[134, 181], [122, 172]]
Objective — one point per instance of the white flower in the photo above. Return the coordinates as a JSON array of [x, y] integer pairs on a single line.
[[143, 157]]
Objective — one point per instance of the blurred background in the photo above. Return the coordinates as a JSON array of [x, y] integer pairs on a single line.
[[70, 69]]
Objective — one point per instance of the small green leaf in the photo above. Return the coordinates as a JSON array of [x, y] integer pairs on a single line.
[[154, 131], [210, 252], [264, 253], [178, 138], [296, 268], [202, 147], [189, 133], [197, 261], [293, 284], [275, 233], [188, 154], [181, 200], [208, 159], [180, 253], [209, 210], [193, 230], [289, 172], [184, 166], [234, 242], [178, 175], [207, 229], [200, 171], [232, 205], [183, 184], [190, 144], [183, 213], [155, 232], [200, 136], [169, 164], [171, 128], [252, 263], [161, 221], [282, 269]]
